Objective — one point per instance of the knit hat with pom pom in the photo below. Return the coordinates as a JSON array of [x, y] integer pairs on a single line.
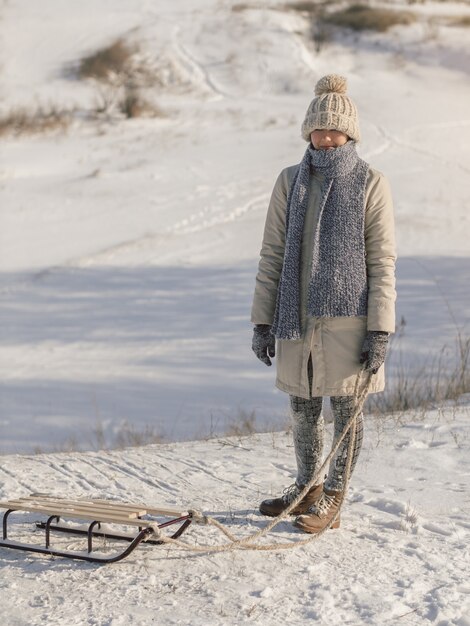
[[331, 109]]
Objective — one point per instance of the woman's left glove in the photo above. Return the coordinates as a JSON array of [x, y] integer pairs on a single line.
[[374, 350], [263, 344]]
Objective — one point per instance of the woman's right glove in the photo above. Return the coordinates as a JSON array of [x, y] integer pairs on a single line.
[[263, 344]]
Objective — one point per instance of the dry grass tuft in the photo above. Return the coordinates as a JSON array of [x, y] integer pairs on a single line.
[[463, 20], [111, 103], [242, 6], [127, 436], [364, 17], [22, 121], [303, 6], [309, 6], [114, 101], [430, 387], [244, 424], [105, 64], [132, 104], [123, 63]]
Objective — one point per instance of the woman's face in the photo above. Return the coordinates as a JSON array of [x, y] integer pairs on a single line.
[[327, 139]]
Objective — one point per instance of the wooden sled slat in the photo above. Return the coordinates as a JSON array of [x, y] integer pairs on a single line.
[[86, 514], [161, 510], [149, 510], [83, 504], [80, 506]]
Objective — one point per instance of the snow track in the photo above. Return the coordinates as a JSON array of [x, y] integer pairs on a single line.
[[200, 73]]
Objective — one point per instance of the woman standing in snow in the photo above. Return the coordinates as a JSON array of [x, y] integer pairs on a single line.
[[325, 293]]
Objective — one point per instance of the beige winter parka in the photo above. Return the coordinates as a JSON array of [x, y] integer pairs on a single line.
[[333, 343]]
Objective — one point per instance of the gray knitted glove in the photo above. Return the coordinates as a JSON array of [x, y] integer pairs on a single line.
[[374, 350], [263, 344]]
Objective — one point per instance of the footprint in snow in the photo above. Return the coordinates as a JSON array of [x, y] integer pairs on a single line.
[[389, 506]]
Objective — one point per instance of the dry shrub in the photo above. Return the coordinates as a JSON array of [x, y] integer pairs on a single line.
[[241, 6], [121, 64], [105, 64], [463, 20], [321, 33], [129, 436], [111, 101], [244, 424], [309, 6], [127, 100], [434, 384], [303, 6], [363, 17], [22, 121], [132, 104]]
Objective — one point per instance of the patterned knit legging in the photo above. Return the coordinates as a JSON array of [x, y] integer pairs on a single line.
[[308, 431]]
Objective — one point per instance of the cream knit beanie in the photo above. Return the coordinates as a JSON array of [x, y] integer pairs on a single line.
[[332, 108]]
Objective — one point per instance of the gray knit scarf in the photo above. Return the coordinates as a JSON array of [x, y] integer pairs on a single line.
[[338, 281]]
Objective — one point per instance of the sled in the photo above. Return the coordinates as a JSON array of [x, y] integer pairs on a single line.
[[93, 513]]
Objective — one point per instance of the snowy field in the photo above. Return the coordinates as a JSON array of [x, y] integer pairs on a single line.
[[400, 557], [128, 253]]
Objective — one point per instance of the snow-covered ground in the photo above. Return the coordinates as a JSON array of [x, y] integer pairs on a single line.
[[128, 251], [400, 557]]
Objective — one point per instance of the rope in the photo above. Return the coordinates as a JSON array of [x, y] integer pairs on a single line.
[[250, 542]]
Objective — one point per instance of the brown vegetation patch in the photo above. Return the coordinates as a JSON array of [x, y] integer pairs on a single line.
[[105, 64], [241, 6], [22, 121], [309, 6], [463, 20], [364, 17], [133, 104], [303, 6], [128, 66]]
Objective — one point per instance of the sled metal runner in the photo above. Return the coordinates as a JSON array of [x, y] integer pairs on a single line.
[[94, 513]]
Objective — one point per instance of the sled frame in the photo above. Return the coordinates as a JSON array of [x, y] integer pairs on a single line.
[[94, 513]]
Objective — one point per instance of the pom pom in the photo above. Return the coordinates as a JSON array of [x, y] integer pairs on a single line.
[[331, 83]]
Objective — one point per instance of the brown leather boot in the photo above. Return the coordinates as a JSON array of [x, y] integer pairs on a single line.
[[276, 506], [321, 513]]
